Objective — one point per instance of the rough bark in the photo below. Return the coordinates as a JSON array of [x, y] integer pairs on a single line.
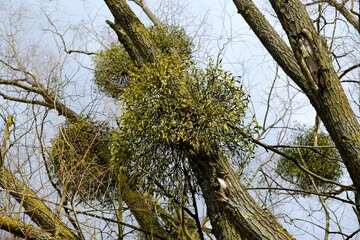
[[329, 98], [34, 207], [134, 30], [312, 71], [271, 40], [233, 212]]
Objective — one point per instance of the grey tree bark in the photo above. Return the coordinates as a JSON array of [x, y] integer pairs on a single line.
[[309, 65]]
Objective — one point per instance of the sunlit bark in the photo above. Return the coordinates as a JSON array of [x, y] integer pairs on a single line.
[[22, 229], [34, 206]]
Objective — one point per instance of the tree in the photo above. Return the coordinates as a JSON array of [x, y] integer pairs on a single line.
[[174, 113], [309, 65]]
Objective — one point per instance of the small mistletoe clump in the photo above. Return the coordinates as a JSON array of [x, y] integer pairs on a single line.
[[112, 65], [323, 161], [79, 160]]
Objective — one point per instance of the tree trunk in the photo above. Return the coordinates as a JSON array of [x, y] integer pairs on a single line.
[[233, 212], [131, 28], [327, 95], [309, 66]]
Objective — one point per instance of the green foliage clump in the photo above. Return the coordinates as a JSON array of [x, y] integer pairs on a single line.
[[79, 160], [111, 68], [169, 102], [321, 161], [172, 38], [113, 64]]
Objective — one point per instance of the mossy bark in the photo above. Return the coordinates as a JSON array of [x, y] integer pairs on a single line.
[[131, 32], [22, 229], [34, 207], [144, 209]]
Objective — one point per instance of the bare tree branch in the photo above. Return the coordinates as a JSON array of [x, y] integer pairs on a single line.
[[346, 71], [341, 7], [61, 37]]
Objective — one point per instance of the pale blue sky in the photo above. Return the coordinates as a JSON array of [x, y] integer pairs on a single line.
[[218, 27]]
